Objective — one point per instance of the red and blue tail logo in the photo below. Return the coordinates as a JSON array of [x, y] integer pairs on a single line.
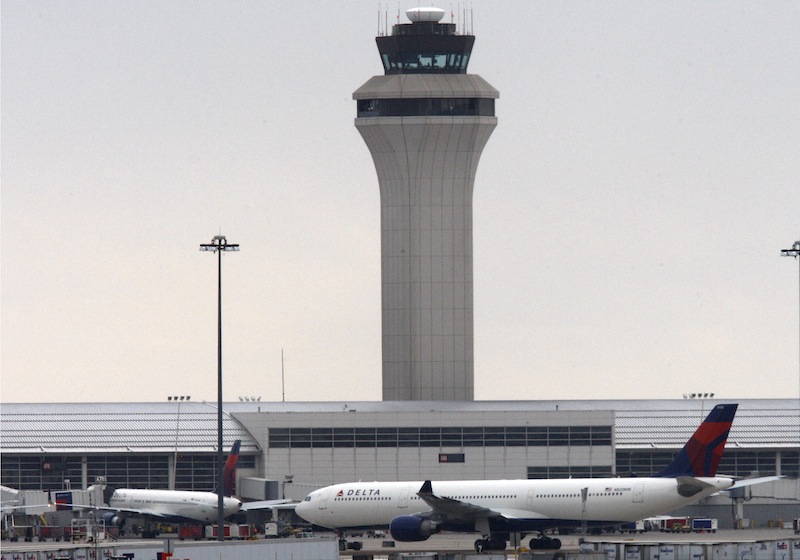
[[229, 472], [702, 453]]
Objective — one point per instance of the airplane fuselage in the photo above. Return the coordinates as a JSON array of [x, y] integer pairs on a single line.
[[525, 505], [196, 506]]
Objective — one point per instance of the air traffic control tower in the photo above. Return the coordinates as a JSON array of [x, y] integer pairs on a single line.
[[425, 123]]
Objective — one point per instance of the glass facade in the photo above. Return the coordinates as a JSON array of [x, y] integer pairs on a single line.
[[501, 436], [571, 471], [734, 462], [195, 472]]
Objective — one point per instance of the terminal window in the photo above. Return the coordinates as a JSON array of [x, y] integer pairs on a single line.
[[435, 436]]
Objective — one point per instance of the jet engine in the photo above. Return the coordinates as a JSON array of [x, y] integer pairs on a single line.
[[112, 519], [409, 528]]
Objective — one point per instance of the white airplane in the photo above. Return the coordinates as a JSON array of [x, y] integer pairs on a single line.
[[413, 511], [171, 505]]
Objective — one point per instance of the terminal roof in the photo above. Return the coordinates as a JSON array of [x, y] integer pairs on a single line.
[[152, 427]]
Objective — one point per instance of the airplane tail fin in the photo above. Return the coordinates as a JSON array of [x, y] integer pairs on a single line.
[[702, 453], [229, 472], [108, 491]]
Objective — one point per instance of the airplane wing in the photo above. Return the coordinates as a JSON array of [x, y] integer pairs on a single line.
[[6, 507], [750, 481], [144, 512], [10, 505], [268, 504], [742, 482], [12, 502], [448, 508], [133, 511]]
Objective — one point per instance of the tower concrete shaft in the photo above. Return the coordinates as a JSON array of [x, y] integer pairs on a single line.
[[425, 123]]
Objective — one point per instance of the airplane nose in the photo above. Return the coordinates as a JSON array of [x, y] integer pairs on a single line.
[[303, 508], [231, 505]]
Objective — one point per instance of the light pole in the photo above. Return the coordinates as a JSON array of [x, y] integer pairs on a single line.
[[219, 245], [179, 400], [702, 397], [794, 252]]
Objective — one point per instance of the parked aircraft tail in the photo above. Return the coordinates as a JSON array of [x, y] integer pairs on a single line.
[[229, 472], [702, 453]]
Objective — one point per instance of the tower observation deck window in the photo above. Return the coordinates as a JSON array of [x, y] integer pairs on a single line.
[[425, 48], [425, 63], [426, 107]]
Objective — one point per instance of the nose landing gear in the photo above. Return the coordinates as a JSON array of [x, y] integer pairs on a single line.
[[344, 544]]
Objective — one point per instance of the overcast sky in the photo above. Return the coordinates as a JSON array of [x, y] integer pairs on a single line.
[[629, 208]]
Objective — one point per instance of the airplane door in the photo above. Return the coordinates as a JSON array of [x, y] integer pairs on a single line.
[[531, 494], [323, 501], [638, 493], [403, 503]]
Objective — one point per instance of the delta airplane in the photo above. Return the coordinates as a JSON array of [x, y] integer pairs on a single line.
[[414, 511], [172, 505]]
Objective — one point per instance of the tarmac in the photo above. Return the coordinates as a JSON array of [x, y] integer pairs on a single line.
[[464, 542], [461, 545]]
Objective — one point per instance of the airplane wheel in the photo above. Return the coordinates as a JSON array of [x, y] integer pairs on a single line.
[[355, 545], [545, 543], [479, 545], [342, 544]]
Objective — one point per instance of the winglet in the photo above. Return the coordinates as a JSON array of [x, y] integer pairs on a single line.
[[702, 453], [427, 488]]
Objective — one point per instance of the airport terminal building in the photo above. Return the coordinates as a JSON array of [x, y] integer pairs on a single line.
[[297, 447]]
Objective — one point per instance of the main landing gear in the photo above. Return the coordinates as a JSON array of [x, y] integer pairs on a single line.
[[492, 543], [543, 542]]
